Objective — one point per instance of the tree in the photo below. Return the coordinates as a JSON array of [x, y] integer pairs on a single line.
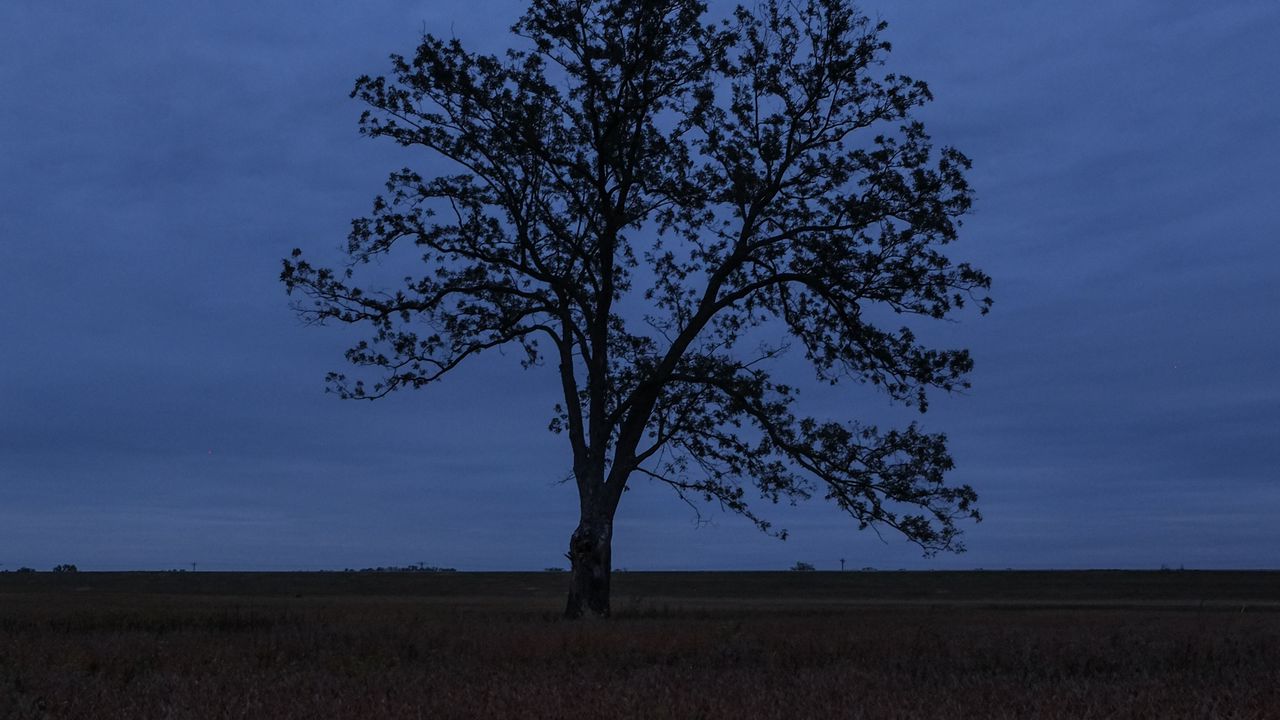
[[638, 198]]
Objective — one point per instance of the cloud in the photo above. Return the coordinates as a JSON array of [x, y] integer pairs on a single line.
[[160, 158]]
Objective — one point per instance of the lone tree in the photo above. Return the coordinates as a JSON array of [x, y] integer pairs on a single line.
[[636, 195]]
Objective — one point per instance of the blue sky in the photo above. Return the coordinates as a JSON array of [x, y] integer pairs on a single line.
[[161, 405]]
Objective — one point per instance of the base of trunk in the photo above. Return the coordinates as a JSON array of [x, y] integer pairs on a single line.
[[590, 557]]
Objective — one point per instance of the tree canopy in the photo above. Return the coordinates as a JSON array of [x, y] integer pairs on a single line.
[[639, 198]]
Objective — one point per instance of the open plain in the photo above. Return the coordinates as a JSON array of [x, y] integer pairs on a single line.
[[997, 644]]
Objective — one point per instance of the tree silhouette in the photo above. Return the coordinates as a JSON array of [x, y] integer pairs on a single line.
[[638, 197]]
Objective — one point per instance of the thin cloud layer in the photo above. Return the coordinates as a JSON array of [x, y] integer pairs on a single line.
[[160, 405]]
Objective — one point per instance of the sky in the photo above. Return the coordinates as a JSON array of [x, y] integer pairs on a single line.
[[161, 405]]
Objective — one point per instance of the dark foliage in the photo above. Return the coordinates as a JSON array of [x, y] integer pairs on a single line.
[[638, 197]]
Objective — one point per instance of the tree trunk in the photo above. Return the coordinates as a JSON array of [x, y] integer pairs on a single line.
[[589, 554]]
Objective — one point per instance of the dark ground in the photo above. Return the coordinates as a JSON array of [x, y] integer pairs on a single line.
[[682, 645], [1183, 588]]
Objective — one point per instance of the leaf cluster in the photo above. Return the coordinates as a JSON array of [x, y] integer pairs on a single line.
[[633, 196]]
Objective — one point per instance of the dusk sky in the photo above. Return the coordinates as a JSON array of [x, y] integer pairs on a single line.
[[161, 404]]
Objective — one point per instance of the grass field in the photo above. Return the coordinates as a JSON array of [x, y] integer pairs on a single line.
[[682, 645]]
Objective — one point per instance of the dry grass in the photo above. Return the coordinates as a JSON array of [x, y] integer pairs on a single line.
[[95, 653]]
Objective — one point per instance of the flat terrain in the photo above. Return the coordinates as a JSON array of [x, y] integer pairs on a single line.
[[682, 645]]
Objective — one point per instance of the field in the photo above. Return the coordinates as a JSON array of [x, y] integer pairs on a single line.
[[682, 645]]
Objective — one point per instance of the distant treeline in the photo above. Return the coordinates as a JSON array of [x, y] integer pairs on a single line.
[[404, 569], [56, 568]]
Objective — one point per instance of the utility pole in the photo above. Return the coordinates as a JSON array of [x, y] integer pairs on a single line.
[[193, 567], [841, 564]]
